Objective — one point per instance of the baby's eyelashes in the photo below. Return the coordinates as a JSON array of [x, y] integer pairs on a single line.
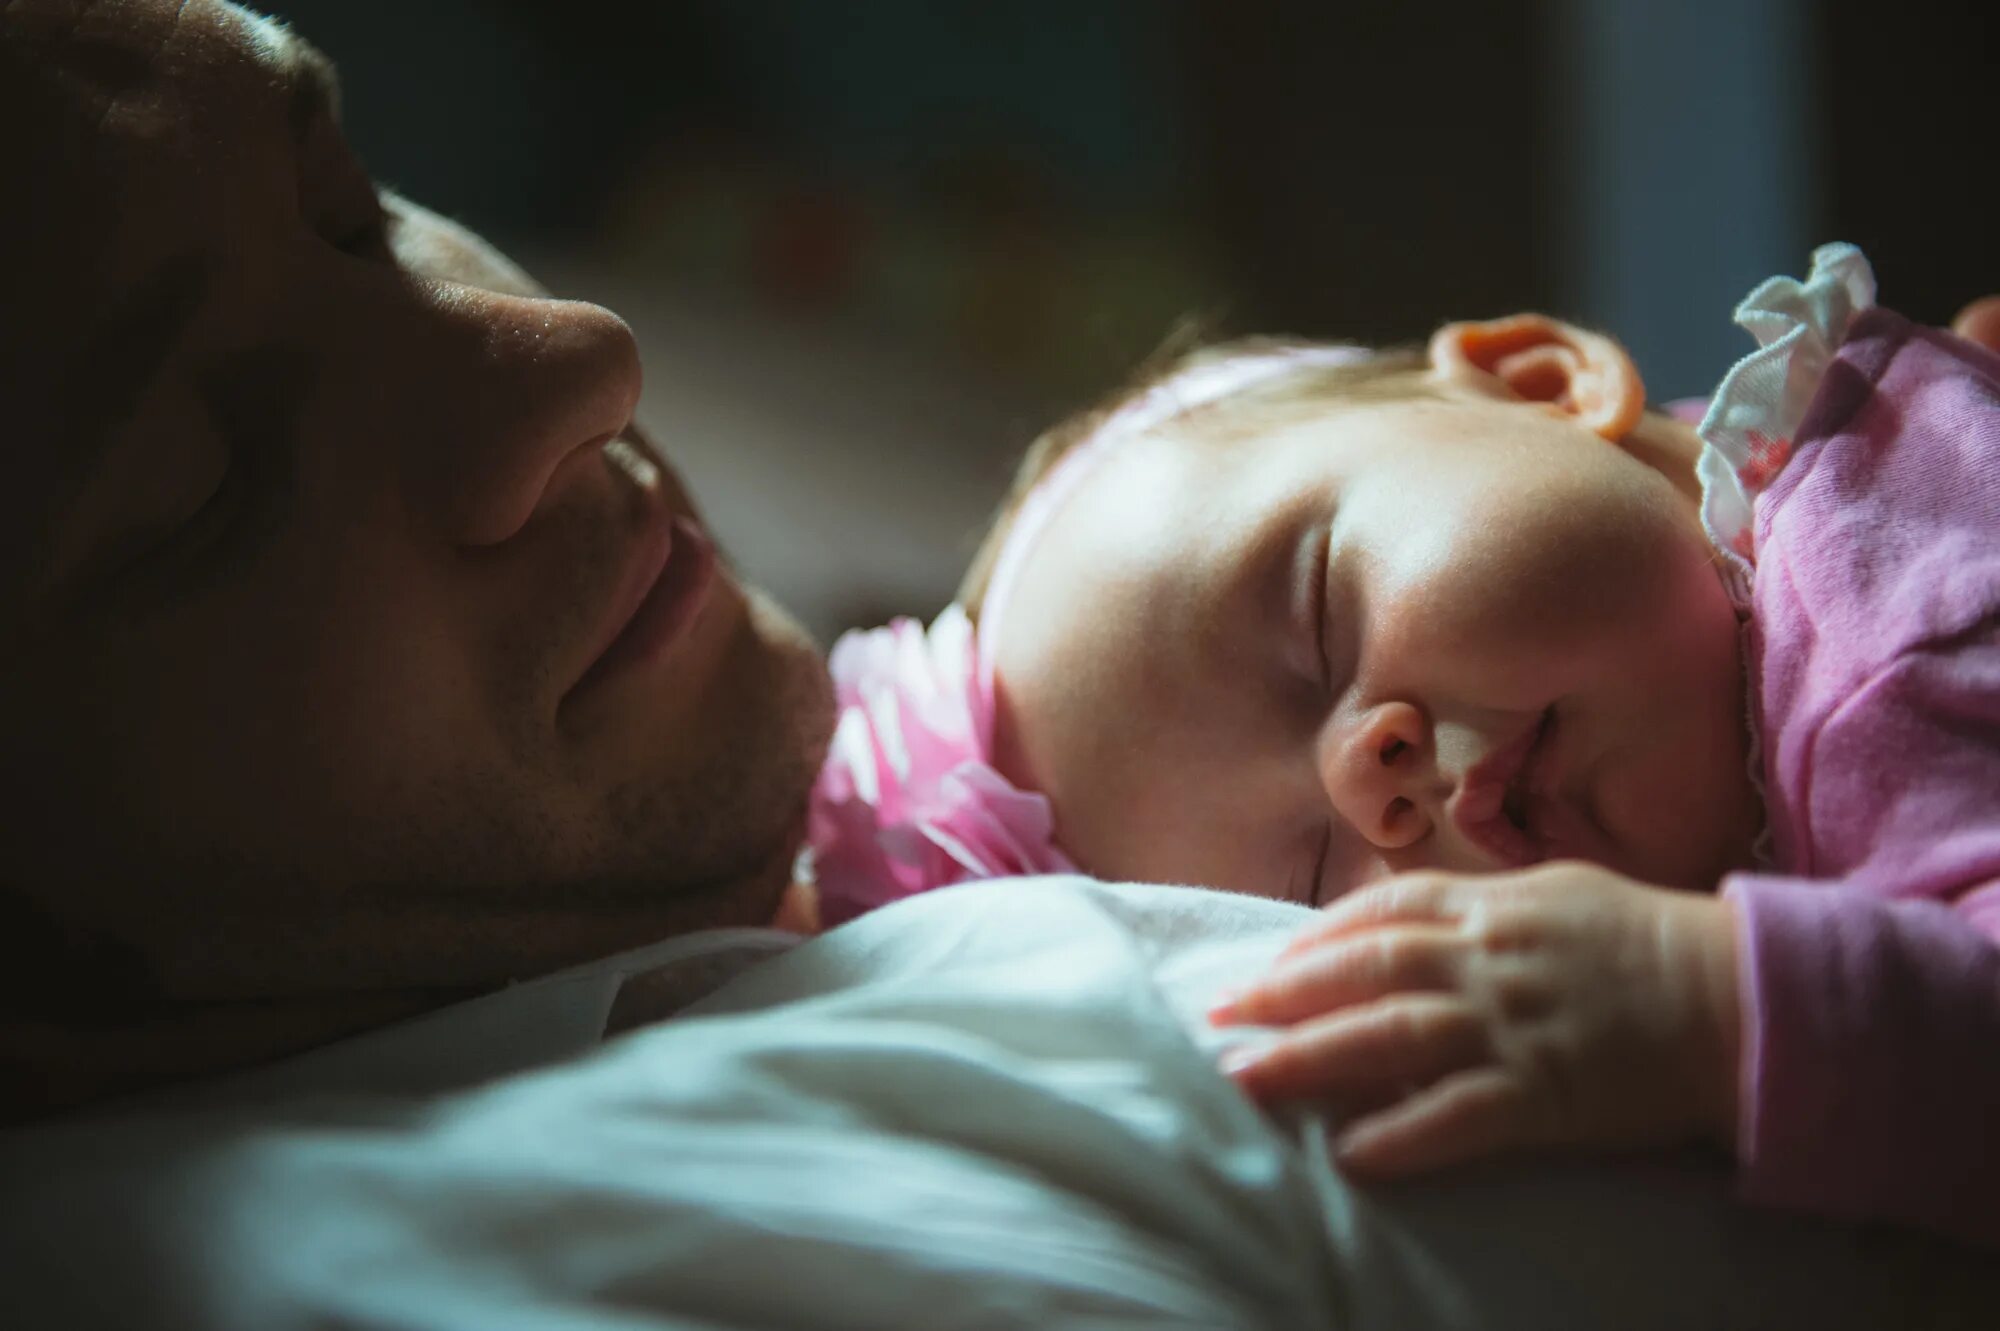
[[1345, 862], [1316, 887], [1308, 599], [1307, 882]]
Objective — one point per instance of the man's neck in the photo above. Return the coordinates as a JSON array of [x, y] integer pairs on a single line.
[[56, 1056], [47, 1068], [798, 910]]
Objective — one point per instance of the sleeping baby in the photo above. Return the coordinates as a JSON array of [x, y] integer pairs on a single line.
[[1648, 774]]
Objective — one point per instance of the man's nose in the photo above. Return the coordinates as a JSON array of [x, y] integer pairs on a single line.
[[531, 384], [1380, 772]]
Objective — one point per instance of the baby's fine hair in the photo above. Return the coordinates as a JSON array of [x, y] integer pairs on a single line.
[[1390, 375]]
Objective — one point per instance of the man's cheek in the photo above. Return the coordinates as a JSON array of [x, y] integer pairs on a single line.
[[388, 717]]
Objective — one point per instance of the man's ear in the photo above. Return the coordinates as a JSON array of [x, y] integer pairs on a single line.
[[1531, 357]]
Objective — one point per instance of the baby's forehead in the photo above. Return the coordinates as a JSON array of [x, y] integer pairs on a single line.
[[1192, 463], [1344, 431], [1226, 461]]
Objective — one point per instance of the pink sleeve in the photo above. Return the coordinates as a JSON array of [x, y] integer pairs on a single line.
[[1870, 968], [1871, 1055]]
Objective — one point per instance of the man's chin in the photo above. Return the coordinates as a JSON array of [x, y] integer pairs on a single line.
[[788, 718], [707, 820], [770, 719], [815, 714], [805, 666], [758, 898]]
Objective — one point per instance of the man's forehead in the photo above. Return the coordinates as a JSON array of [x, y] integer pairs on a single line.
[[115, 21], [169, 51], [122, 116], [101, 50], [120, 120], [91, 110]]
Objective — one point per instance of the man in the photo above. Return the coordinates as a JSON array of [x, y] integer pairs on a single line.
[[361, 653], [360, 657]]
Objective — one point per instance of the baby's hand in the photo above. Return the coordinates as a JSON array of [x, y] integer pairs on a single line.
[[1450, 1016]]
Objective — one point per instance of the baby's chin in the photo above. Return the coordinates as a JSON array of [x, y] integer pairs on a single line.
[[1698, 852]]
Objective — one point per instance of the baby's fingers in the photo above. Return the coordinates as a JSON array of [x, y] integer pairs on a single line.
[[1412, 898], [1477, 1112], [1980, 322], [1356, 1053], [1343, 972]]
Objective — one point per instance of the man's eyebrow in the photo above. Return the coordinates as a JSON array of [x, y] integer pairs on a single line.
[[315, 83], [95, 392], [111, 373], [100, 389], [305, 76], [130, 348]]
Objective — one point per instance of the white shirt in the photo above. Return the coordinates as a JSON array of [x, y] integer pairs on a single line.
[[993, 1105], [534, 1023]]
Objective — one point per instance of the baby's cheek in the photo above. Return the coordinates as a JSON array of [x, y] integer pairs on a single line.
[[1595, 579], [1684, 807], [1713, 813], [1062, 726], [1523, 594]]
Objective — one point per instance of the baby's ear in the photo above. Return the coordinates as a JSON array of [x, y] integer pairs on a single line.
[[1531, 357]]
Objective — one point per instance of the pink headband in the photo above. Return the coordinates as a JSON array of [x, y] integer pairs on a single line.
[[1196, 386]]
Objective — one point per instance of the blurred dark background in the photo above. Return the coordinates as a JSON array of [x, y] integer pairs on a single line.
[[870, 249]]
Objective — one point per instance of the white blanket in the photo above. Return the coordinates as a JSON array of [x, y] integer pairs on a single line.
[[989, 1107]]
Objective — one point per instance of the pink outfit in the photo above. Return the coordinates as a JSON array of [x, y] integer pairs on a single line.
[[1871, 975], [907, 800]]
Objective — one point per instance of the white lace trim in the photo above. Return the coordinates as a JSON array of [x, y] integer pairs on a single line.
[[1751, 422]]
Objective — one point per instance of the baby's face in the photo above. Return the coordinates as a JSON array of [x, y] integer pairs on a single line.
[[1461, 633]]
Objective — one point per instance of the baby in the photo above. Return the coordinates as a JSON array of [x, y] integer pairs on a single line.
[[1474, 651]]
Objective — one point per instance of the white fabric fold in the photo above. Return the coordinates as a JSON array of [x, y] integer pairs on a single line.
[[990, 1106]]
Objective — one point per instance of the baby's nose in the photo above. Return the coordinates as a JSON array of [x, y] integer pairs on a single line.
[[1379, 769]]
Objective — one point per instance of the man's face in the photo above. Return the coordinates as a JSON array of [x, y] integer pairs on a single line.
[[319, 520]]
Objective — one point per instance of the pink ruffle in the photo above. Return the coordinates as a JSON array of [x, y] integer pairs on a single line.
[[908, 800]]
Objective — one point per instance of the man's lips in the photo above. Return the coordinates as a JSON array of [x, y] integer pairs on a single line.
[[667, 581], [1498, 784]]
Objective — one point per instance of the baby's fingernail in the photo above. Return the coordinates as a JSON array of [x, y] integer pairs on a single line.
[[1224, 1008], [1240, 1059], [1356, 1148]]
